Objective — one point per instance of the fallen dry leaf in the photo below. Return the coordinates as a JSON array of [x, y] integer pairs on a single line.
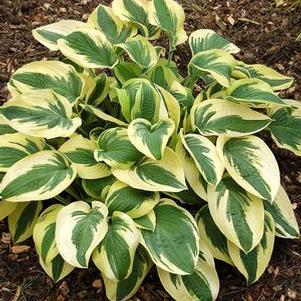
[[279, 2], [219, 22], [17, 294], [97, 283], [231, 20], [18, 249], [60, 298], [270, 269], [249, 21], [6, 238], [249, 298], [276, 272], [291, 293], [277, 288], [64, 289]]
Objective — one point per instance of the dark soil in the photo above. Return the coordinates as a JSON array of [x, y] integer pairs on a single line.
[[265, 34]]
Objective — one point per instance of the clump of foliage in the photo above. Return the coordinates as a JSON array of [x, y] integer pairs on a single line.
[[110, 156]]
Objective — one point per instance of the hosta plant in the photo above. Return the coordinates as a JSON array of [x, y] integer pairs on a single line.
[[112, 156]]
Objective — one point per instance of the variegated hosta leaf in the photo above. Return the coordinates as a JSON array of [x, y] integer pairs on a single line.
[[44, 238], [44, 114], [124, 289], [286, 128], [207, 39], [141, 51], [240, 71], [80, 151], [152, 175], [251, 163], [126, 95], [295, 104], [212, 236], [192, 174], [147, 221], [173, 245], [6, 208], [89, 48], [162, 75], [215, 90], [75, 190], [136, 11], [80, 70], [253, 264], [215, 117], [102, 115], [182, 94], [115, 148], [5, 128], [173, 67], [95, 133], [139, 99], [14, 147], [40, 176], [276, 80], [150, 139], [57, 76], [216, 62], [253, 92], [131, 201], [238, 214], [57, 269], [163, 65], [49, 34], [127, 70], [205, 156], [169, 16], [170, 107], [98, 188], [79, 229], [97, 89], [146, 102], [283, 214], [201, 285], [165, 78], [22, 220], [113, 97], [104, 19], [187, 196], [44, 233], [114, 256]]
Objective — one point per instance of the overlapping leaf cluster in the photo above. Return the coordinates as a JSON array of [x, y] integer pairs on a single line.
[[116, 143]]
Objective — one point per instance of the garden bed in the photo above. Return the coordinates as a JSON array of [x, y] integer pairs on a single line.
[[266, 35]]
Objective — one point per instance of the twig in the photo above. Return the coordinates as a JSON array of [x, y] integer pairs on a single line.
[[248, 20], [17, 294]]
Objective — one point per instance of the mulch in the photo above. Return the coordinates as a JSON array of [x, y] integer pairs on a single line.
[[265, 34]]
